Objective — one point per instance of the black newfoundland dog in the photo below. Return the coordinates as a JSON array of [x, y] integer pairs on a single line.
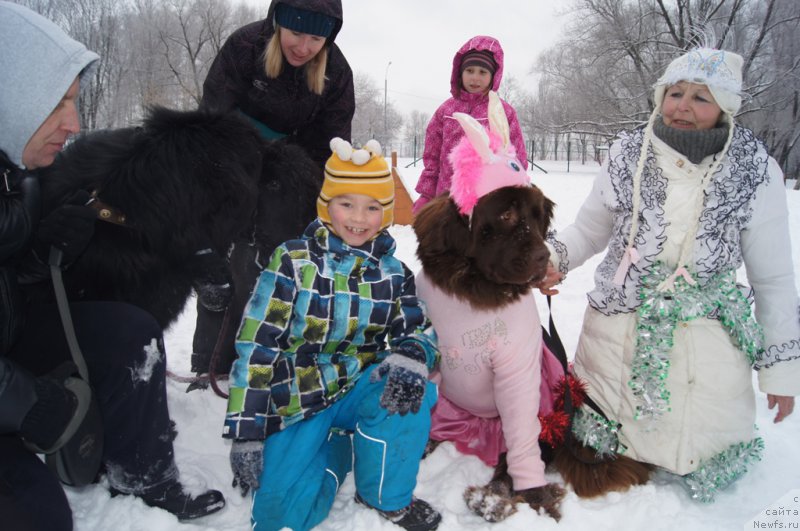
[[179, 190]]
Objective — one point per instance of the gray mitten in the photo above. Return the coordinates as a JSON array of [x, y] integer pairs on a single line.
[[407, 376], [247, 463]]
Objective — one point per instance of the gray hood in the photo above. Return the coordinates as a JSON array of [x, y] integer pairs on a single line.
[[38, 63]]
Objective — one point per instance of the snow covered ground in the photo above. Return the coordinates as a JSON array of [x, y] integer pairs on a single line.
[[662, 504]]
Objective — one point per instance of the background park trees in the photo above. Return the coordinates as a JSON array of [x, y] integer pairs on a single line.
[[593, 82], [598, 78]]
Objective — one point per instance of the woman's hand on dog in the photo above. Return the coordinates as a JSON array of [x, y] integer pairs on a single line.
[[551, 278]]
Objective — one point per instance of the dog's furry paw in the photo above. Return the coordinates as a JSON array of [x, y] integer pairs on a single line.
[[493, 502], [547, 497]]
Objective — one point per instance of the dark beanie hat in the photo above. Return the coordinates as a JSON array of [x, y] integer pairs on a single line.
[[304, 21], [482, 58]]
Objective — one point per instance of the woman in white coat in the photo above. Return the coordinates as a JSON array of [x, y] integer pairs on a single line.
[[669, 340]]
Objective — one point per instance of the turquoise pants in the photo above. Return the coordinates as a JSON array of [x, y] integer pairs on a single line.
[[305, 464]]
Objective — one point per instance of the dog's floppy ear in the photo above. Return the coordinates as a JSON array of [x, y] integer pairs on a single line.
[[441, 229], [548, 209]]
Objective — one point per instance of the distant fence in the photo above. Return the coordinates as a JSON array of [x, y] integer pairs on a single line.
[[563, 147]]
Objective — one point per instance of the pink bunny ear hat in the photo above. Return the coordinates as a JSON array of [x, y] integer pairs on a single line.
[[484, 161]]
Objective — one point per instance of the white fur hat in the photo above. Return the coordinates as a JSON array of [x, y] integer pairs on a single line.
[[719, 70]]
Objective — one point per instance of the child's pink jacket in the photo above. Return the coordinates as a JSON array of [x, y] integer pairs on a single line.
[[443, 132]]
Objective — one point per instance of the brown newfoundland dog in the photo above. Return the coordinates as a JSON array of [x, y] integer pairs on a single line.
[[489, 260], [491, 264]]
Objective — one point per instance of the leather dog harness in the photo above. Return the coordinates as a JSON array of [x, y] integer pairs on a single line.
[[106, 212]]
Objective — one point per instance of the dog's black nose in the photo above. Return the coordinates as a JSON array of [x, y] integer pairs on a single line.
[[541, 255]]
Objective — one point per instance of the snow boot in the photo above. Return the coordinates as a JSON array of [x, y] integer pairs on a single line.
[[416, 516], [171, 497]]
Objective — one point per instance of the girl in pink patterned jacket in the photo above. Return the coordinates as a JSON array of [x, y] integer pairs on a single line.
[[477, 69]]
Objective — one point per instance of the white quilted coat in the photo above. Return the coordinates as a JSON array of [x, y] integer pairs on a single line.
[[710, 381]]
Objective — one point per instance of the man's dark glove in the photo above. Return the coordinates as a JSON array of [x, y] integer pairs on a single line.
[[69, 228], [50, 415], [407, 376], [212, 280], [247, 463]]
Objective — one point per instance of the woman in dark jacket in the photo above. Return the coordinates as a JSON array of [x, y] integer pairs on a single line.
[[301, 90], [286, 74]]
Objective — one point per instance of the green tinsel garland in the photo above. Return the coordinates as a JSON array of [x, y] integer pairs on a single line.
[[667, 300], [596, 432], [723, 469]]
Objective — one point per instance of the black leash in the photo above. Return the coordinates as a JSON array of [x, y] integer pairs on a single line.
[[553, 341], [212, 378], [556, 346], [63, 309], [212, 369], [78, 453]]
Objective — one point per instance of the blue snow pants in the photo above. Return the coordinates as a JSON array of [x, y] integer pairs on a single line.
[[305, 464]]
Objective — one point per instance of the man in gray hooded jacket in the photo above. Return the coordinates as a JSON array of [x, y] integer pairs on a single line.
[[41, 70]]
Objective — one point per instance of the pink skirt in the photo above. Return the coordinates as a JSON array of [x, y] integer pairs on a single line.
[[472, 435], [483, 437]]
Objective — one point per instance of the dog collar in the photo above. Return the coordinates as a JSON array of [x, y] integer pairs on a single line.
[[106, 212]]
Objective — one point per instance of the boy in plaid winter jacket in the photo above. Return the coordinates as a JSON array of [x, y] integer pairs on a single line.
[[333, 342]]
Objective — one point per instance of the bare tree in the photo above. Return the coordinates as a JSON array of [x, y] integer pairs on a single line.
[[414, 135], [599, 78], [372, 119], [191, 33], [152, 52]]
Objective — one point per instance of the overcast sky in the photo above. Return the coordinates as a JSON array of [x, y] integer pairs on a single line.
[[420, 37]]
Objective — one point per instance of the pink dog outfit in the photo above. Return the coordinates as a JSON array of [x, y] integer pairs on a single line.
[[490, 381]]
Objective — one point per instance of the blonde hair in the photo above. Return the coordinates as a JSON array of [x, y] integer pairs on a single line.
[[314, 69]]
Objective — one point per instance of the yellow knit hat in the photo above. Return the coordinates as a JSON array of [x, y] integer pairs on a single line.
[[361, 171]]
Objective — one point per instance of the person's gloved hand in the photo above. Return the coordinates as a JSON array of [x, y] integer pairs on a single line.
[[406, 380], [50, 415], [247, 462], [69, 228], [211, 280]]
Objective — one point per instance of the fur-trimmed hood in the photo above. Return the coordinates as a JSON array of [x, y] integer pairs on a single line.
[[479, 42]]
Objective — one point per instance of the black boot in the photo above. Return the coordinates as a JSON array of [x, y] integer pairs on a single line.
[[173, 499], [416, 516]]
